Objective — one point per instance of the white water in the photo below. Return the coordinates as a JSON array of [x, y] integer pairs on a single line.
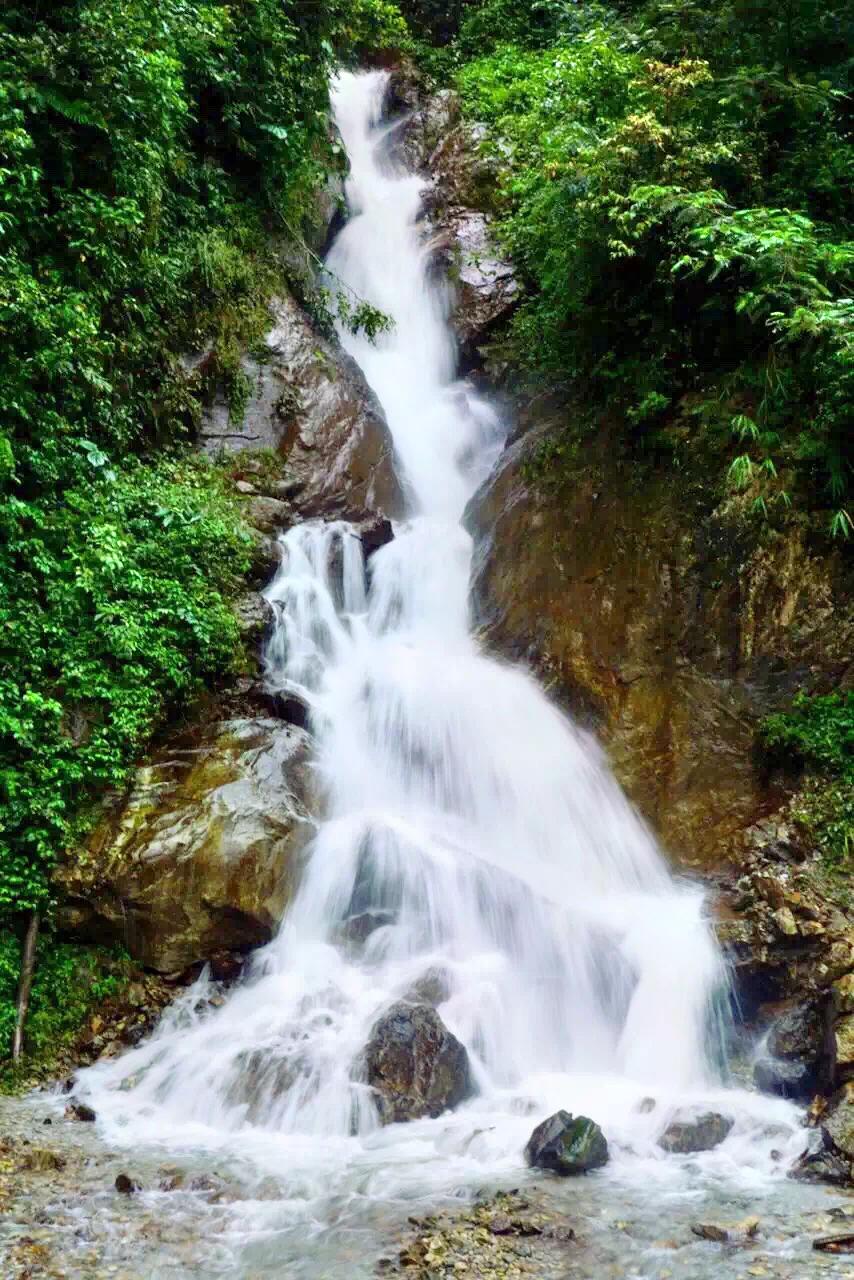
[[463, 806]]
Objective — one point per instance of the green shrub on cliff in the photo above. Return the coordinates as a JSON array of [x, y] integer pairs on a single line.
[[818, 732], [676, 191]]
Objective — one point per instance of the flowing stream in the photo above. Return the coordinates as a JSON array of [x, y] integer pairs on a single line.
[[468, 834]]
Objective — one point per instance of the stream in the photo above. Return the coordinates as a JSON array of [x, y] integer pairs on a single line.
[[481, 834]]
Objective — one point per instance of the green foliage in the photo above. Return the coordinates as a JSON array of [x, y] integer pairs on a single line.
[[117, 609], [676, 190], [69, 982], [151, 152], [819, 732]]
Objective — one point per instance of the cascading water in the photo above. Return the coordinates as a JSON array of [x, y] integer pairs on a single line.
[[464, 818]]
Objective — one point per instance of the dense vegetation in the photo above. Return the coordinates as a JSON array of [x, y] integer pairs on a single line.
[[70, 982], [151, 151], [677, 189]]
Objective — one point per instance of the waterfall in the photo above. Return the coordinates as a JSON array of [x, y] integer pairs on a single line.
[[467, 827]]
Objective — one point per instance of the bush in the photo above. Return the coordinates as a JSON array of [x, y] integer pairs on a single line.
[[682, 224], [818, 732]]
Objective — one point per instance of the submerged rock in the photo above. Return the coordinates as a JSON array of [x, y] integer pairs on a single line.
[[201, 854], [687, 1134], [414, 1064], [42, 1160], [433, 987], [567, 1145]]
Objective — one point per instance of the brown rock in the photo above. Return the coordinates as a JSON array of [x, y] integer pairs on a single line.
[[414, 1064], [201, 855]]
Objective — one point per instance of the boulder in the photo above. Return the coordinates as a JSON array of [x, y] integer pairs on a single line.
[[266, 557], [77, 1110], [689, 1133], [830, 1152], [254, 616], [798, 1062], [267, 515], [201, 854], [310, 402], [414, 1064], [567, 1145]]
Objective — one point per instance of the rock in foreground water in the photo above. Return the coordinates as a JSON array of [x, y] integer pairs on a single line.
[[567, 1145], [687, 1134], [414, 1064]]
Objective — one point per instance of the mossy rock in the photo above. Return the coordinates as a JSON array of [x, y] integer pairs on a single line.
[[567, 1145]]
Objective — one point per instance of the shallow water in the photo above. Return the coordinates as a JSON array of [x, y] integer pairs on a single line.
[[242, 1228]]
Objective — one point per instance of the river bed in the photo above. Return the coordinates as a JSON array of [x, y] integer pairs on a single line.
[[225, 1219]]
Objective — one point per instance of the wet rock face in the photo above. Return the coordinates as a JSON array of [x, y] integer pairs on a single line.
[[485, 289], [433, 139], [798, 1062], [255, 616], [414, 1064], [672, 634], [567, 1145], [687, 1134], [830, 1154], [202, 854], [310, 402]]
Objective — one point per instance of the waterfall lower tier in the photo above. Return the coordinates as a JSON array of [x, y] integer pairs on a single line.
[[469, 834]]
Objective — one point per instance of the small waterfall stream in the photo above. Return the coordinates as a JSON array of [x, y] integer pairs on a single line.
[[474, 828]]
